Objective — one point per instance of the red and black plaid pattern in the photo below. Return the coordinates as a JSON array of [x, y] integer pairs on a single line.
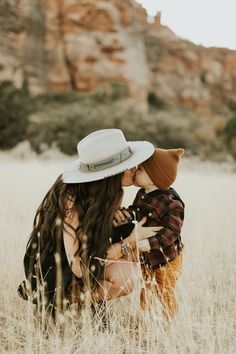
[[162, 208]]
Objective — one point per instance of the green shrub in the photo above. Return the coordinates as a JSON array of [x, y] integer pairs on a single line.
[[65, 126], [230, 128], [156, 101], [231, 103], [229, 135], [55, 99], [111, 92], [14, 111], [63, 119], [155, 48]]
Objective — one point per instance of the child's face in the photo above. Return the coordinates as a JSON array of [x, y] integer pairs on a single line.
[[127, 178], [141, 178]]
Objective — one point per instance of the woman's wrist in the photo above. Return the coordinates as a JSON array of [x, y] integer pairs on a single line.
[[131, 240]]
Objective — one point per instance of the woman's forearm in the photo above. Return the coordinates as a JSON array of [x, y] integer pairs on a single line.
[[114, 251], [139, 233]]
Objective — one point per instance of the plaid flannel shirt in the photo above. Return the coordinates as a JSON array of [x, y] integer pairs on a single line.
[[162, 208]]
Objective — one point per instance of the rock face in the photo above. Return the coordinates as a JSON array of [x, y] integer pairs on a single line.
[[89, 43], [22, 41], [75, 45], [12, 40], [64, 45], [203, 79]]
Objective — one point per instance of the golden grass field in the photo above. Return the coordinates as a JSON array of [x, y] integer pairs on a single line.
[[206, 319]]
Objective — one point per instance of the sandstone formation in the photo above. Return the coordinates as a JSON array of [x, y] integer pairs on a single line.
[[64, 45], [89, 43], [203, 79], [22, 53]]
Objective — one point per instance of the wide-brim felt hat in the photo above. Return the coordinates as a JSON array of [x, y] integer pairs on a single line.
[[105, 153]]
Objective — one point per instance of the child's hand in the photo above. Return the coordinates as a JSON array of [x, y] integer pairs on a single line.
[[122, 216], [143, 245]]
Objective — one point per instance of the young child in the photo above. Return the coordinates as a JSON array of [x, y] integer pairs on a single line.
[[161, 255]]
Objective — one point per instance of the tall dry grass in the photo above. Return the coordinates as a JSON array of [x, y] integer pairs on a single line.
[[205, 322]]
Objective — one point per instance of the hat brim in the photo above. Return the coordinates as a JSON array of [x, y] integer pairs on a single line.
[[141, 151]]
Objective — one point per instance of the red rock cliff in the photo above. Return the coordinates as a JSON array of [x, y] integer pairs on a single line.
[[83, 44]]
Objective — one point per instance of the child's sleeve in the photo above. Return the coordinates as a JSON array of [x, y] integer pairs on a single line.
[[172, 223], [122, 231]]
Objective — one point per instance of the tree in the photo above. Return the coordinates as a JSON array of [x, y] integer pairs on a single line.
[[14, 111]]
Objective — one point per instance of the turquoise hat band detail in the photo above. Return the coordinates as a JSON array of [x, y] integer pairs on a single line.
[[111, 161]]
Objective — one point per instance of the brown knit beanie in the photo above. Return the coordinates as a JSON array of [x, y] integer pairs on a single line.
[[162, 166]]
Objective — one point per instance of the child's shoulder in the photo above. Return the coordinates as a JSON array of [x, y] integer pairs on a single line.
[[167, 196], [173, 197], [139, 194]]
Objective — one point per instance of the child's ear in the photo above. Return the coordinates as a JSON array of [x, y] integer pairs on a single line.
[[180, 152]]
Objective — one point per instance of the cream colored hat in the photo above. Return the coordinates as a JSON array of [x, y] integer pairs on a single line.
[[105, 153]]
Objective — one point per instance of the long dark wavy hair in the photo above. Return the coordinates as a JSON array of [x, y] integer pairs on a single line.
[[95, 202]]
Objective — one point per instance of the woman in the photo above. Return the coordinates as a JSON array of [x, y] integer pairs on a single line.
[[70, 251]]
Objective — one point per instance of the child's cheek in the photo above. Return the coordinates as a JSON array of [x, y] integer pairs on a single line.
[[137, 181]]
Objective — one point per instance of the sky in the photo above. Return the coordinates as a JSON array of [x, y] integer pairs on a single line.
[[205, 22]]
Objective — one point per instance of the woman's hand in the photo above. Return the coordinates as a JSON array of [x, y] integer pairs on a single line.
[[143, 245], [121, 217], [141, 233]]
